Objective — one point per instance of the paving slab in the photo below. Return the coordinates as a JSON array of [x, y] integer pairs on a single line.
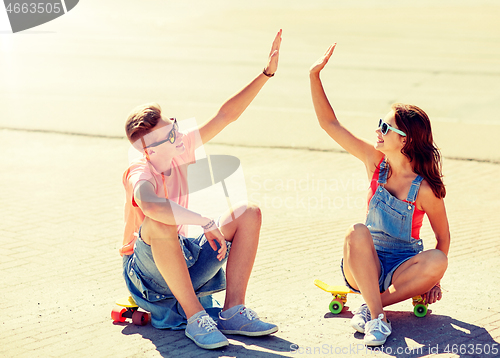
[[62, 209]]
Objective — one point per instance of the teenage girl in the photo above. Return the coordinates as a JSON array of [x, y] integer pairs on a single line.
[[384, 258]]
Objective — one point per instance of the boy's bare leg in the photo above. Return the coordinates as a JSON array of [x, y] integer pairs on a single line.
[[171, 263], [244, 236]]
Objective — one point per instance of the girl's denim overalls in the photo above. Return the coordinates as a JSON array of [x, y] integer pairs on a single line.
[[389, 220], [390, 223]]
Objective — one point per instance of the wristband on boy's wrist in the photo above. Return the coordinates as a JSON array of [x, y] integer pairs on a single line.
[[265, 74], [209, 225]]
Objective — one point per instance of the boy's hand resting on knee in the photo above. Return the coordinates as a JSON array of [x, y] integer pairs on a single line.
[[212, 233]]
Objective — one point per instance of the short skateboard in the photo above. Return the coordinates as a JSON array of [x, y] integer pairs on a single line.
[[129, 309], [340, 293]]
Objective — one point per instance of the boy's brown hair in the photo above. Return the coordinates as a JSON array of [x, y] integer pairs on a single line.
[[141, 120]]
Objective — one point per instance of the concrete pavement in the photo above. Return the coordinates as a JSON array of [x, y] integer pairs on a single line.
[[62, 199], [62, 205]]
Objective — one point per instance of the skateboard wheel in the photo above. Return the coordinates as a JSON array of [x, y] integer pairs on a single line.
[[336, 306], [117, 314], [140, 318], [420, 310]]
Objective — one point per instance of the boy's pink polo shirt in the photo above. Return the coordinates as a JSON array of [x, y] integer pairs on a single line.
[[177, 189]]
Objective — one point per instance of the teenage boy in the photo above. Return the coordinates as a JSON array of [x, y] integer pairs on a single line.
[[168, 274]]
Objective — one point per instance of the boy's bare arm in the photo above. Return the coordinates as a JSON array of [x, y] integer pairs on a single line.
[[232, 109], [163, 210], [170, 213]]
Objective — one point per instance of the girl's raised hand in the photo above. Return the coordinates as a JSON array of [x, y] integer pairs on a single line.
[[322, 61]]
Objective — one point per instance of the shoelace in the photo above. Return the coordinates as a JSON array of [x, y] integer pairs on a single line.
[[207, 323], [376, 324], [364, 311], [251, 315]]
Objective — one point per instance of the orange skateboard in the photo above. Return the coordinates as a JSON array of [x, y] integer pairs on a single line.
[[340, 293], [129, 309]]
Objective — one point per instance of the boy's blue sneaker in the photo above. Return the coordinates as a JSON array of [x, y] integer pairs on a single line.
[[244, 321], [202, 329]]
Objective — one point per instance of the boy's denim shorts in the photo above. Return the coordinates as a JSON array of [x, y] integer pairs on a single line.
[[150, 291]]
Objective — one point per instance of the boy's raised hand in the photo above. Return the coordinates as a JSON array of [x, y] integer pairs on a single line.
[[272, 64], [322, 61]]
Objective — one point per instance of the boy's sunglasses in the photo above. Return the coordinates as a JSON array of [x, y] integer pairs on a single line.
[[384, 128], [170, 137]]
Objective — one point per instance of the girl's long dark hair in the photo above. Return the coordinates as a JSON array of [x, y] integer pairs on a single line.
[[420, 148]]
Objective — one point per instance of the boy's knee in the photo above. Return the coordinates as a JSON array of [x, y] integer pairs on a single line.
[[249, 211], [254, 211]]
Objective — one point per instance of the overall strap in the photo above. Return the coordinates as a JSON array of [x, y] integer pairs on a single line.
[[382, 175], [415, 185]]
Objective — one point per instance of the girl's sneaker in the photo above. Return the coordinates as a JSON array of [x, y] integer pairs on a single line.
[[377, 331], [361, 316], [202, 329]]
